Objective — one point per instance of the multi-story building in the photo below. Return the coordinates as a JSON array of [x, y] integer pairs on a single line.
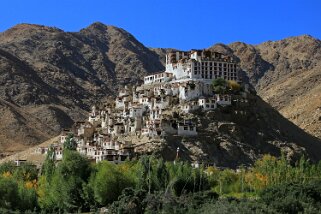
[[201, 65]]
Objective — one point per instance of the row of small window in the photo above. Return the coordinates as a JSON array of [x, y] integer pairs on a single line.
[[210, 66], [149, 78], [215, 73], [214, 64], [219, 74], [215, 69], [224, 77]]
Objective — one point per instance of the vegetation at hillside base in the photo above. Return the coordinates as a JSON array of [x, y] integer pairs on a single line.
[[151, 185]]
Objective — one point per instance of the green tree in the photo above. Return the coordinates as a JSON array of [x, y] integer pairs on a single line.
[[70, 143], [159, 175], [74, 164], [108, 182], [143, 168], [27, 198], [26, 172], [219, 85], [131, 201], [48, 167], [9, 197], [152, 174], [228, 182], [7, 167], [293, 197], [185, 179], [64, 190]]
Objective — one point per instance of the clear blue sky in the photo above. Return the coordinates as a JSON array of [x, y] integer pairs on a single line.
[[182, 24]]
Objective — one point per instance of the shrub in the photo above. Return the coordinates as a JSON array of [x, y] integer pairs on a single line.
[[131, 201], [9, 196], [233, 85], [219, 85], [240, 207], [292, 197]]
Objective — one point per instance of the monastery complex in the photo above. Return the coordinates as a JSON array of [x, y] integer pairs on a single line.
[[148, 111]]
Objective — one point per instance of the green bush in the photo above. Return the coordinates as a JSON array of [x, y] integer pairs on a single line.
[[234, 206], [219, 85], [9, 195], [7, 167], [293, 197], [131, 201]]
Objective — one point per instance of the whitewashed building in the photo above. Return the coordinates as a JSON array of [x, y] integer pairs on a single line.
[[158, 78], [186, 129], [201, 64], [190, 106], [136, 111], [207, 103], [223, 100]]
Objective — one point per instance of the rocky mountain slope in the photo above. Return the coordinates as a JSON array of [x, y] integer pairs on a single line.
[[286, 74], [54, 76], [240, 134], [294, 85], [49, 77], [227, 136]]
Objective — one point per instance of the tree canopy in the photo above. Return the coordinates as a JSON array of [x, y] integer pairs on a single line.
[[219, 85], [152, 185]]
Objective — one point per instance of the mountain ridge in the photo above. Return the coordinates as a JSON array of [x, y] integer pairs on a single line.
[[69, 71]]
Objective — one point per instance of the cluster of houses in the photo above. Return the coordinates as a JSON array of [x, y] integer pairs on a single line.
[[91, 142], [147, 110]]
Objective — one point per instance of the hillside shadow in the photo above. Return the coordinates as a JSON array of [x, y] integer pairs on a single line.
[[293, 133]]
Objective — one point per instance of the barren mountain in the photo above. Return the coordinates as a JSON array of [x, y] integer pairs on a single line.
[[54, 76], [49, 78], [294, 85], [286, 74]]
